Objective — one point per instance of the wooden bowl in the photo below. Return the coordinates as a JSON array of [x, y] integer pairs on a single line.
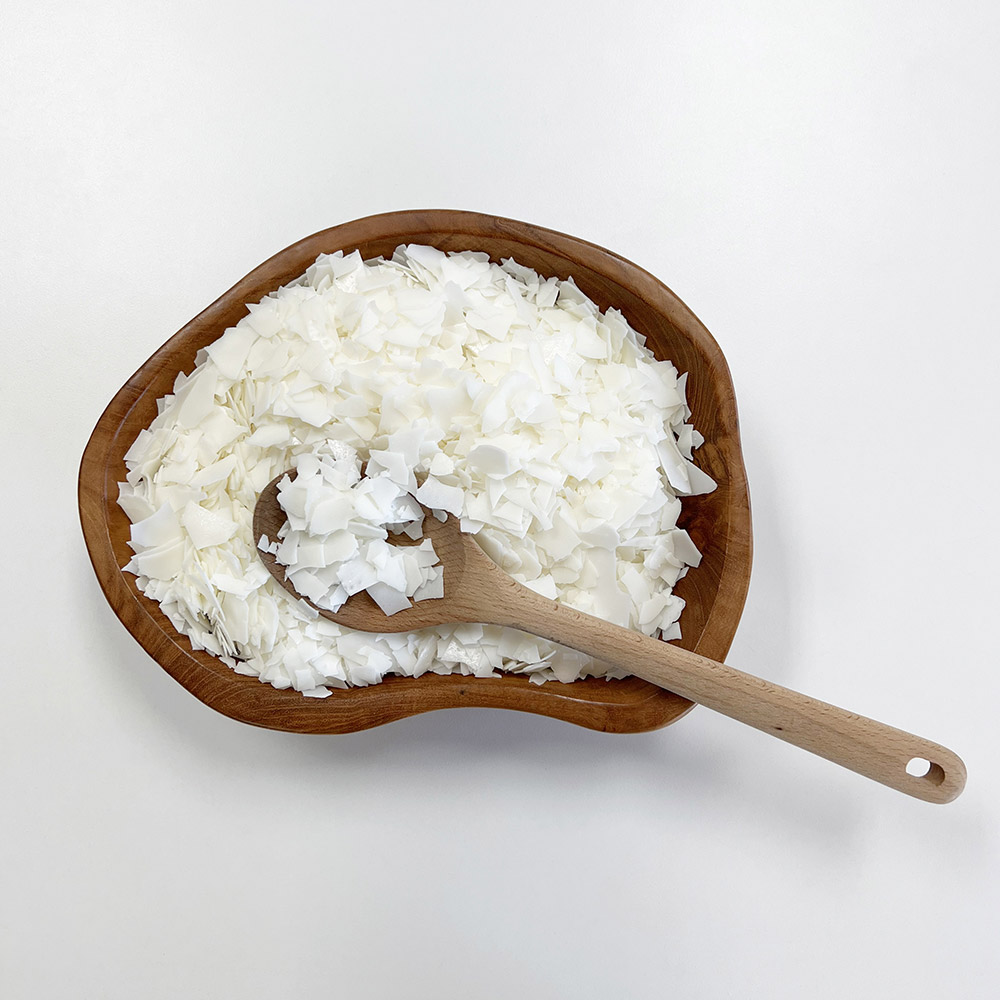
[[719, 522]]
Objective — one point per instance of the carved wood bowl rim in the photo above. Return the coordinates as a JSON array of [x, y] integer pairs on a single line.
[[719, 522]]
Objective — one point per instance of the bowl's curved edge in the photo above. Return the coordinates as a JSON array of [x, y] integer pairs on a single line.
[[617, 706]]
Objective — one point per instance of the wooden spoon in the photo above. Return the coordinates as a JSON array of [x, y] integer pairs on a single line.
[[476, 589]]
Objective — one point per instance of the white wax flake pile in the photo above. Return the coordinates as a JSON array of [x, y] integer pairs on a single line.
[[545, 425], [334, 543]]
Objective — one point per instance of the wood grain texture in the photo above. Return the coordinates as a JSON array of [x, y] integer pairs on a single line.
[[719, 522]]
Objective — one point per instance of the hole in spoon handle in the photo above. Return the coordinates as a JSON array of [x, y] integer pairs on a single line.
[[892, 757], [926, 778], [908, 763]]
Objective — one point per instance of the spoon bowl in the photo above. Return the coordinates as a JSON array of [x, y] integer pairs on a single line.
[[455, 551]]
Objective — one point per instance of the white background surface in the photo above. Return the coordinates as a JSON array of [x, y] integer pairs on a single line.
[[818, 182]]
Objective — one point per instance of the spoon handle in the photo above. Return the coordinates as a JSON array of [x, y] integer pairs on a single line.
[[860, 744]]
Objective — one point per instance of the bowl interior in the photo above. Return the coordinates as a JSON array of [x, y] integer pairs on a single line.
[[718, 522]]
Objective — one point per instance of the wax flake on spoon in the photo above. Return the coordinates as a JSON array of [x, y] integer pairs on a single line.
[[335, 541]]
